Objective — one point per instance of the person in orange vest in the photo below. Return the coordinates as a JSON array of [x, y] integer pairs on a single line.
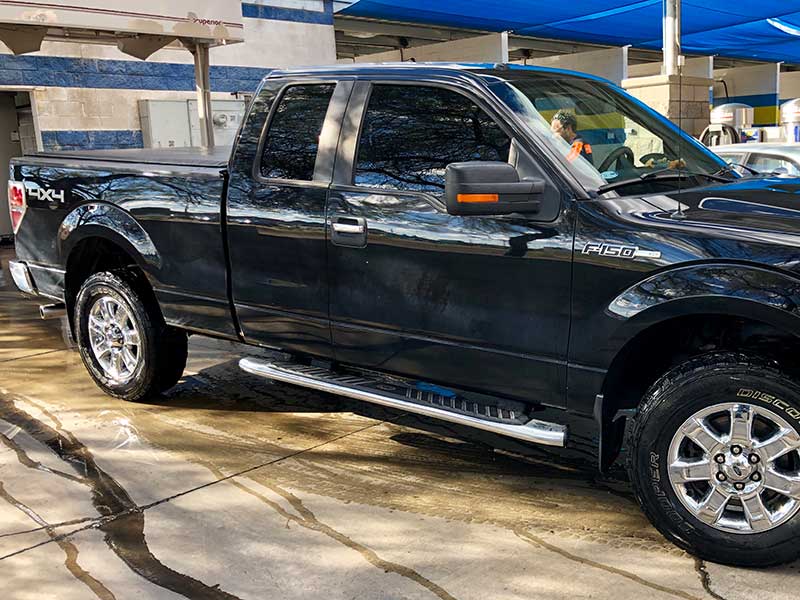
[[565, 124]]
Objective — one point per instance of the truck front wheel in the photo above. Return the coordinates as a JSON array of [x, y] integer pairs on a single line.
[[127, 348], [715, 459]]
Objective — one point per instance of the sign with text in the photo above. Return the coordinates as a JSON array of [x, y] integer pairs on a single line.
[[214, 21]]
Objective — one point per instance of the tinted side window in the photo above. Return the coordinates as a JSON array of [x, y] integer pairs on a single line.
[[290, 149], [411, 133]]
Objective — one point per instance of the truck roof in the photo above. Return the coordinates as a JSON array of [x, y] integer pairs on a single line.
[[218, 156], [478, 69]]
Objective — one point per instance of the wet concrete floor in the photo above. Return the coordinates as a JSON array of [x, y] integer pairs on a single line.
[[233, 487]]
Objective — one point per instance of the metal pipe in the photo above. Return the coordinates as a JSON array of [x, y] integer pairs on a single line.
[[671, 36], [203, 87], [52, 311]]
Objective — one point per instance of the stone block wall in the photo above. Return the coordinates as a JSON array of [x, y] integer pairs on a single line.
[[685, 101]]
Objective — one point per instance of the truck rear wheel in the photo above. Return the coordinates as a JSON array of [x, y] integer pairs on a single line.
[[127, 348], [715, 459]]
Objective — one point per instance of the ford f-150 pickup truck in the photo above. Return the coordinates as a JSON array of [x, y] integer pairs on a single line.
[[527, 252]]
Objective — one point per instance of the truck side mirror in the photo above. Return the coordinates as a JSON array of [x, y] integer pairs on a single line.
[[490, 188]]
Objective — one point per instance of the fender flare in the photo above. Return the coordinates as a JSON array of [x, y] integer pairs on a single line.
[[113, 224], [736, 289]]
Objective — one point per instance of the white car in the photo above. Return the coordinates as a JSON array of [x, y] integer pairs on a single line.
[[781, 158]]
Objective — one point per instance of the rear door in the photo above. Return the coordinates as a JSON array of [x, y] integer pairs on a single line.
[[276, 215], [472, 302]]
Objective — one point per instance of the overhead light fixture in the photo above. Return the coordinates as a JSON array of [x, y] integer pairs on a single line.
[[362, 35]]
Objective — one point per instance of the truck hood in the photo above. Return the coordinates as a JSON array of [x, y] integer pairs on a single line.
[[748, 205]]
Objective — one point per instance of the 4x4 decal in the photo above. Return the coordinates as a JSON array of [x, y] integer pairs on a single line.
[[46, 195], [619, 250]]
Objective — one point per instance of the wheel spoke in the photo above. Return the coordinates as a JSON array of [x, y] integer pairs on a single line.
[[95, 324], [116, 361], [683, 471], [105, 309], [697, 431], [710, 509], [741, 424], [756, 513], [129, 359], [779, 444], [788, 485], [121, 317], [131, 337]]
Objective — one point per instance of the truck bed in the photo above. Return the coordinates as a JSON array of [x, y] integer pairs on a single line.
[[163, 206], [185, 157]]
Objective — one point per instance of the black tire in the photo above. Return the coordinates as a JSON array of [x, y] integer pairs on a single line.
[[163, 349], [697, 384]]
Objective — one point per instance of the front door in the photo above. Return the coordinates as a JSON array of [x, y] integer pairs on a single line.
[[276, 215], [472, 302]]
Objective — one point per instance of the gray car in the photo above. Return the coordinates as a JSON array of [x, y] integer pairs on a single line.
[[782, 158]]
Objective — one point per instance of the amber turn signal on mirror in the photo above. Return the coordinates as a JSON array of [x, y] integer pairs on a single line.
[[473, 198]]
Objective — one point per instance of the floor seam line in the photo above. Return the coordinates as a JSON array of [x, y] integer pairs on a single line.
[[8, 360], [535, 540], [141, 509]]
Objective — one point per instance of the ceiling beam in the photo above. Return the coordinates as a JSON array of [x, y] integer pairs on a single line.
[[367, 26]]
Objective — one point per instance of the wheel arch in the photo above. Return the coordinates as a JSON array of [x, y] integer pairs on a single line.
[[113, 224], [676, 315]]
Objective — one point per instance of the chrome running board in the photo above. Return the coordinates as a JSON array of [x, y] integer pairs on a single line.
[[398, 396]]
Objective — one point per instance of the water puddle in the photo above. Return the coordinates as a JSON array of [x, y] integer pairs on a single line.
[[122, 521]]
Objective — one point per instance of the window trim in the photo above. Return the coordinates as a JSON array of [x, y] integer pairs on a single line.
[[725, 155], [756, 154], [345, 168], [328, 139]]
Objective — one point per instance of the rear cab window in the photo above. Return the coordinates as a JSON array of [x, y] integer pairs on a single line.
[[293, 134]]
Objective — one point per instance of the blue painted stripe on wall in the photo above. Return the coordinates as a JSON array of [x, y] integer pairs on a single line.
[[751, 100], [92, 140], [277, 13], [121, 74]]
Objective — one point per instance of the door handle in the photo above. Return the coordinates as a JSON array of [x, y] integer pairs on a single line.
[[348, 228], [349, 231]]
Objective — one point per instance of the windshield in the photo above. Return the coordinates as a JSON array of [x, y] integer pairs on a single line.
[[604, 135]]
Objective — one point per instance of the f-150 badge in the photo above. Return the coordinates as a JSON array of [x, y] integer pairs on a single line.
[[619, 251]]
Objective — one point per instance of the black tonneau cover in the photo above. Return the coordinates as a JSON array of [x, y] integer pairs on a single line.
[[185, 157]]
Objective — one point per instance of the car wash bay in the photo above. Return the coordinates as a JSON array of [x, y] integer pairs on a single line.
[[229, 487]]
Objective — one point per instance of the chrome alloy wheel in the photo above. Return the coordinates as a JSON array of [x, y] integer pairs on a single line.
[[114, 339], [736, 467]]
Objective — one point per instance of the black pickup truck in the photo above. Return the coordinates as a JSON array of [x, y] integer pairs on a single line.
[[528, 252]]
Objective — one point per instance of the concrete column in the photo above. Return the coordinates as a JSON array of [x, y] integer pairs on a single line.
[[203, 86], [683, 100]]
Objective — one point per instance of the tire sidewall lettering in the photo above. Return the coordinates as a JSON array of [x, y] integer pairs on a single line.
[[772, 401], [660, 491]]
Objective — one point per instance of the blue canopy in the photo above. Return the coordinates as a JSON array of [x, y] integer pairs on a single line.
[[766, 30]]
